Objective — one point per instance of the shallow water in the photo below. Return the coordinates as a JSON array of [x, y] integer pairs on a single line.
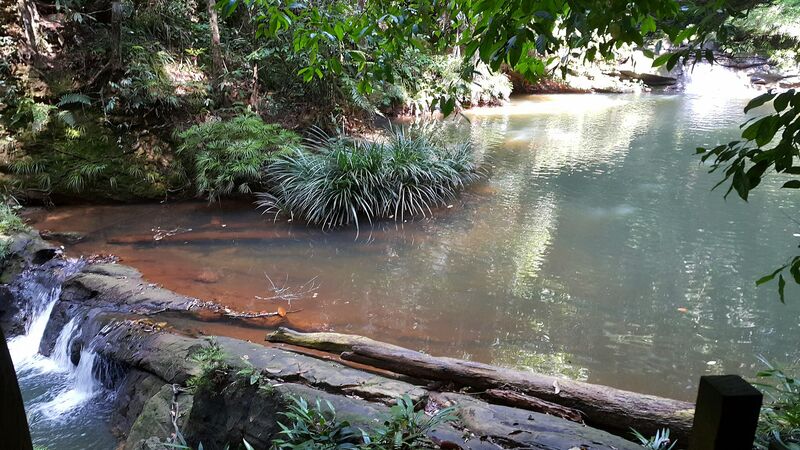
[[594, 248]]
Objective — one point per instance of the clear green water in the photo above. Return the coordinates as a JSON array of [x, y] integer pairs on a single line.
[[594, 248]]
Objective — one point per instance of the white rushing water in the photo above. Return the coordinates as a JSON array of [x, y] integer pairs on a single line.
[[60, 388]]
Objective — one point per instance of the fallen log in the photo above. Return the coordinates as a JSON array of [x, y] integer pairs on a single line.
[[603, 407], [518, 400], [328, 342]]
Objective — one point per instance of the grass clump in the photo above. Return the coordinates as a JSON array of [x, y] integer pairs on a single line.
[[210, 361], [779, 425], [338, 181], [10, 222], [230, 155]]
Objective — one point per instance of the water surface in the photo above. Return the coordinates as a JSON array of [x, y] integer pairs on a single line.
[[594, 248]]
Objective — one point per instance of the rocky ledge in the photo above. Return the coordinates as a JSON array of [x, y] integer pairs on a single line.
[[165, 385]]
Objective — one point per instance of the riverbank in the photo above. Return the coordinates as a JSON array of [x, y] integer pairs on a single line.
[[108, 314]]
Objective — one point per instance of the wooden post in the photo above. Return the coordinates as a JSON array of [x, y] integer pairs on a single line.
[[726, 414]]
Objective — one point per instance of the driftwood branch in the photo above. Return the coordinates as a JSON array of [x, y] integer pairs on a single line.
[[517, 400], [248, 315], [604, 407]]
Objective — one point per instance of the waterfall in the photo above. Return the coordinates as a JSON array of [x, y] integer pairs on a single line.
[[68, 387], [42, 288], [61, 351], [716, 81]]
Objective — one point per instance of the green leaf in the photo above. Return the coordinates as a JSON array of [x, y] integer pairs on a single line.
[[661, 60], [770, 277], [758, 101], [793, 184], [782, 288]]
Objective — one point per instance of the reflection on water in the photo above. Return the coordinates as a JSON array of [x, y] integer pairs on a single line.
[[594, 248]]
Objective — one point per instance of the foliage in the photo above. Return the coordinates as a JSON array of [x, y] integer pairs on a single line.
[[406, 428], [421, 79], [770, 144], [533, 38], [660, 441], [780, 416], [229, 155], [210, 361], [316, 427], [10, 222], [339, 181], [89, 159], [771, 29]]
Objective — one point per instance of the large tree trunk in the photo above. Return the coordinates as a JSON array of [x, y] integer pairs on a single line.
[[603, 407], [216, 50]]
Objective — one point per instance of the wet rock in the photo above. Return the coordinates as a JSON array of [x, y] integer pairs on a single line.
[[64, 237], [517, 428], [12, 319], [154, 424], [136, 389], [24, 250]]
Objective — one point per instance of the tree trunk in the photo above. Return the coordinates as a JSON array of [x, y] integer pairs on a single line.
[[254, 92], [602, 406], [30, 18], [217, 62], [117, 10]]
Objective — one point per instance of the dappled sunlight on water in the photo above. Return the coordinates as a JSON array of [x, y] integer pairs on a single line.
[[593, 248]]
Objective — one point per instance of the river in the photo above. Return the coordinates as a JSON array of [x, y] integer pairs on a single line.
[[594, 247]]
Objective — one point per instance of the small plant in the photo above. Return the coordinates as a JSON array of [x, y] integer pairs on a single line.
[[210, 360], [230, 155], [10, 222], [338, 181], [251, 373], [406, 428], [660, 441], [316, 427], [779, 425]]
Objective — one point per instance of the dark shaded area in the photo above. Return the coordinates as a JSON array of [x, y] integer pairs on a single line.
[[13, 421]]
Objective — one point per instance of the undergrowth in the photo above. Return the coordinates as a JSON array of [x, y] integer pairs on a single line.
[[779, 425], [229, 156], [210, 361]]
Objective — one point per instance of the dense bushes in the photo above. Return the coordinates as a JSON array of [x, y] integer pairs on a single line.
[[339, 181], [229, 155]]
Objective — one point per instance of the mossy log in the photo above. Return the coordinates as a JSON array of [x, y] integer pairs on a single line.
[[604, 407]]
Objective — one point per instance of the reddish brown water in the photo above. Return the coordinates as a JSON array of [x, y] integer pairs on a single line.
[[594, 249]]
